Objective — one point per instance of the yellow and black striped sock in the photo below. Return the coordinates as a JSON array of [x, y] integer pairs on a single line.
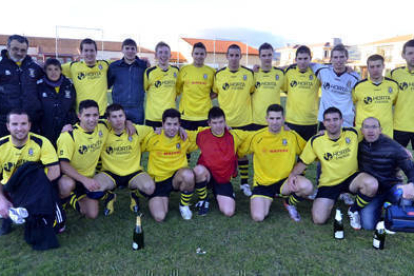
[[201, 190], [360, 202], [294, 199], [74, 201], [185, 198], [244, 171]]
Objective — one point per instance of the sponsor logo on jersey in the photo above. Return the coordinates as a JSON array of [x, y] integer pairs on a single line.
[[109, 150], [226, 86], [326, 85], [337, 154], [368, 100], [8, 166], [81, 76], [293, 83], [403, 85], [257, 84], [157, 84]]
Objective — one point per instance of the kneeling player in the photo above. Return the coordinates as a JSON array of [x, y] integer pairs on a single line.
[[78, 153], [167, 164], [217, 163], [121, 160], [274, 146], [337, 150]]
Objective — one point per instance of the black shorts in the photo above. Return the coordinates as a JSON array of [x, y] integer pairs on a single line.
[[306, 132], [225, 189], [246, 127], [122, 181], [255, 127], [269, 191], [333, 192], [164, 188], [153, 124], [193, 125], [404, 138], [80, 190]]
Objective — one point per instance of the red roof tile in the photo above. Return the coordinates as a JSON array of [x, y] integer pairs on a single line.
[[220, 46]]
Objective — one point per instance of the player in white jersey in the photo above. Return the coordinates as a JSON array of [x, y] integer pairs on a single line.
[[337, 84]]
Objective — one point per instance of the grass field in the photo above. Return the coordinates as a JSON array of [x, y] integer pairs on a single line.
[[234, 246]]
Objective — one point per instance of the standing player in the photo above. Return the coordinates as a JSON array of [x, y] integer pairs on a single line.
[[270, 146], [302, 86], [126, 76], [89, 75], [376, 96], [233, 86], [337, 151], [160, 85], [403, 115], [19, 147], [79, 152], [195, 83], [268, 82], [168, 166], [120, 157]]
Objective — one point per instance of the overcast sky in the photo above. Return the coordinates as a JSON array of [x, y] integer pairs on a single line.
[[277, 22]]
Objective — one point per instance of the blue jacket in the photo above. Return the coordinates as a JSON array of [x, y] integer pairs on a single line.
[[18, 87], [127, 81]]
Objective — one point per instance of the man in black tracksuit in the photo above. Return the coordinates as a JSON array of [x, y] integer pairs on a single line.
[[382, 157], [18, 77]]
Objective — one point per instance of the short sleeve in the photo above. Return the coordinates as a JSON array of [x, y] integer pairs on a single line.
[[66, 70], [66, 147], [308, 155], [48, 155]]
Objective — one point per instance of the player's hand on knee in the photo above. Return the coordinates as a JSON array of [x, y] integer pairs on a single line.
[[5, 205], [408, 191], [292, 183], [91, 184]]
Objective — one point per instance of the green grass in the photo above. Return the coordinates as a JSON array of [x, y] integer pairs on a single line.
[[234, 246]]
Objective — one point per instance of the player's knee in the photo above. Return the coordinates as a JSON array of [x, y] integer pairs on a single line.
[[188, 176], [228, 211], [148, 187], [91, 214], [159, 216], [370, 186], [201, 173], [318, 220], [66, 186], [305, 188], [256, 216]]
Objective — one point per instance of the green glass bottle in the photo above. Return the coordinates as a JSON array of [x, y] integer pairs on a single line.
[[138, 238]]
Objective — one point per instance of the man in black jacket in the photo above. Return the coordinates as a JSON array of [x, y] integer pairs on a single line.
[[382, 157], [18, 77]]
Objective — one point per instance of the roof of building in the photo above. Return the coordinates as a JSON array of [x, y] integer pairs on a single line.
[[220, 46], [177, 57], [400, 38]]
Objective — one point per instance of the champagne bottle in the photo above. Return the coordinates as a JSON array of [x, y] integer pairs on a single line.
[[138, 237], [379, 236], [338, 225]]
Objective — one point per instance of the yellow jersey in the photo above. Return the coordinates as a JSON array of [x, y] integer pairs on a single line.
[[160, 87], [82, 149], [338, 157], [302, 96], [233, 90], [375, 100], [268, 86], [91, 83], [37, 148], [195, 85]]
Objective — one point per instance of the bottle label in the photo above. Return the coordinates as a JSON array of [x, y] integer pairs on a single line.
[[339, 234], [376, 243]]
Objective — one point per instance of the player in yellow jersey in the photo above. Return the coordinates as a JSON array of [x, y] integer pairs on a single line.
[[302, 86], [337, 151], [375, 96], [168, 166], [121, 157], [160, 85], [268, 83], [275, 151], [195, 83], [233, 86], [19, 147], [79, 152], [403, 115], [89, 76]]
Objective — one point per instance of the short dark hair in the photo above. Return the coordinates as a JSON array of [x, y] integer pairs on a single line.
[[233, 46], [52, 61], [199, 45], [87, 104], [162, 44], [409, 43], [332, 110], [265, 46], [303, 50], [112, 108], [275, 108], [171, 113], [19, 38], [129, 42], [375, 58], [88, 41], [215, 112], [17, 111], [340, 48]]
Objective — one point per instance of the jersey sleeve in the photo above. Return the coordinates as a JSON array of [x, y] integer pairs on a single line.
[[397, 92], [146, 80], [179, 83], [354, 97], [308, 155], [285, 82], [215, 85], [300, 143], [66, 147], [243, 141], [66, 70], [143, 131], [48, 155], [192, 140], [146, 143]]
